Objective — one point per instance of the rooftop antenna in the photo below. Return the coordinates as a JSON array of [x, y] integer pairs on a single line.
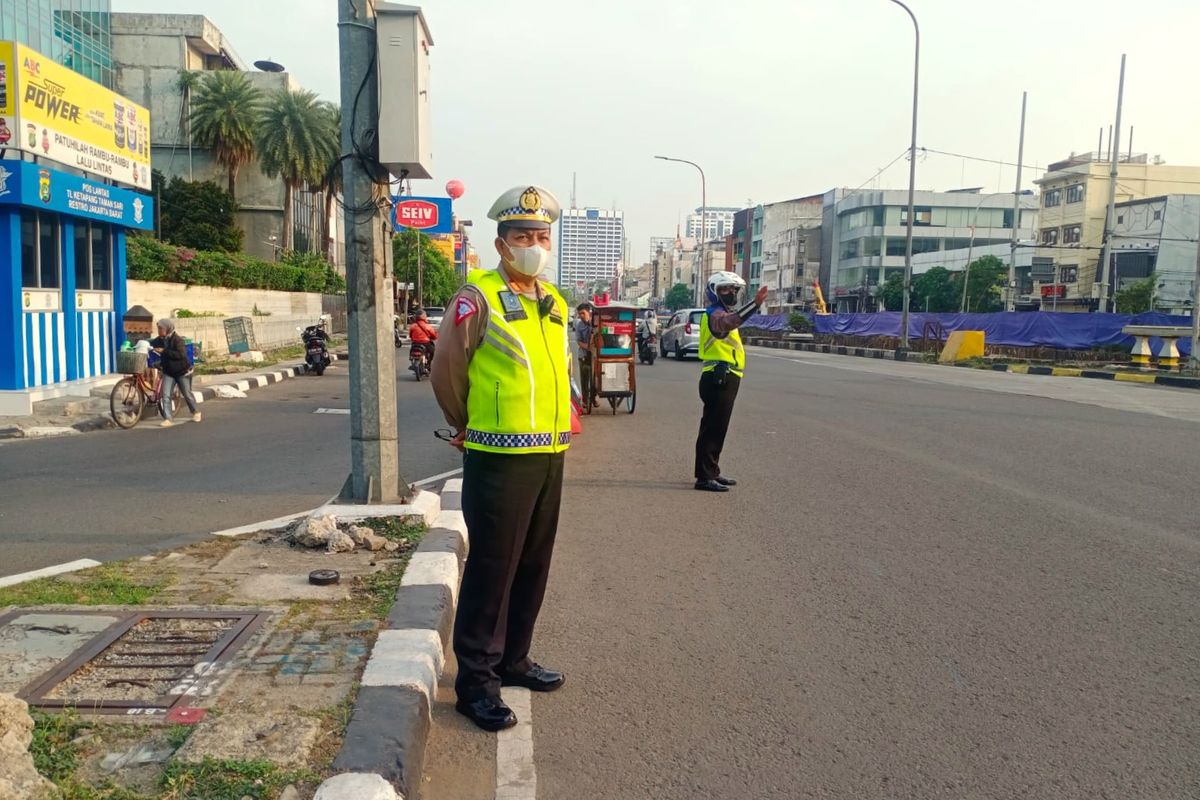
[[267, 65], [573, 190]]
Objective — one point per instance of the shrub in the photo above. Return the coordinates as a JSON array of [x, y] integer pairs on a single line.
[[800, 323], [151, 260]]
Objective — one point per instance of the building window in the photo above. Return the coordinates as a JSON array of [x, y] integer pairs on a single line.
[[40, 256], [1050, 236], [93, 257], [1157, 214], [1068, 273], [922, 215], [1052, 198], [1075, 193], [1072, 234], [1120, 219], [895, 247]]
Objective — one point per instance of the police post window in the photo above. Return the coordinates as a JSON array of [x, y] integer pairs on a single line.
[[93, 257], [40, 256]]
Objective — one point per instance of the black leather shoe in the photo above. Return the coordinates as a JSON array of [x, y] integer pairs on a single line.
[[721, 479], [711, 486], [489, 713], [536, 679]]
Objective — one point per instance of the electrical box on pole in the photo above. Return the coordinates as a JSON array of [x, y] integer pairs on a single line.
[[405, 135]]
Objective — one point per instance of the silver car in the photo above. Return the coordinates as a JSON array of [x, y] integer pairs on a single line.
[[681, 337]]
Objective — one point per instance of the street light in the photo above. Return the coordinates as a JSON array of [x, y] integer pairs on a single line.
[[912, 178], [971, 246], [703, 202]]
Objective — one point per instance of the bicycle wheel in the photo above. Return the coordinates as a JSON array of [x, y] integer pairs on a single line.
[[176, 401], [126, 403]]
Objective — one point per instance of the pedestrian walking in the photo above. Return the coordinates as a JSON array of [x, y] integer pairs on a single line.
[[724, 360], [176, 370], [502, 378]]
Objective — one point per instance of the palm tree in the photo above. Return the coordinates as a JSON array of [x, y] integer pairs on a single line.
[[294, 143], [186, 84], [331, 182], [225, 113]]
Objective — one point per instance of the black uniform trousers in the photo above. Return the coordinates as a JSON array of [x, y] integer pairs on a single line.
[[718, 401], [510, 503]]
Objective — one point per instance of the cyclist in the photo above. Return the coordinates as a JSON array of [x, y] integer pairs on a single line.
[[176, 369]]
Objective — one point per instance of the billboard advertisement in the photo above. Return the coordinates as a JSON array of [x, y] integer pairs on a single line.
[[38, 186], [426, 214], [56, 113]]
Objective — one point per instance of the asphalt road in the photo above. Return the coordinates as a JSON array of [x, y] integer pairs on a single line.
[[930, 583], [114, 494]]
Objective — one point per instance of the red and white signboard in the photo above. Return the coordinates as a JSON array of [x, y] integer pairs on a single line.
[[428, 214]]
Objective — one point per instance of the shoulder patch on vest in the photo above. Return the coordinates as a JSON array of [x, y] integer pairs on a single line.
[[464, 309]]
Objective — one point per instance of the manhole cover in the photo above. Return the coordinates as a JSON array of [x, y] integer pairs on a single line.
[[147, 663]]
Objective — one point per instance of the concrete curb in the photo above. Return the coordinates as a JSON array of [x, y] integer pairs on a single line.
[[202, 394], [1177, 381], [389, 728], [835, 349]]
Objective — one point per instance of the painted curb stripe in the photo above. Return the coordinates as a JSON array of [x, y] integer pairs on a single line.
[[48, 572]]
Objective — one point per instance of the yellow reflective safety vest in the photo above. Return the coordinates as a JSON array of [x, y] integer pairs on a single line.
[[714, 351], [519, 399]]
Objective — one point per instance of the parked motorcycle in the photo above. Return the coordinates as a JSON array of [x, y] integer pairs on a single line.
[[418, 361], [316, 348], [647, 347]]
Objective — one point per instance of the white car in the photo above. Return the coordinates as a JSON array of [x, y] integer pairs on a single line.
[[435, 314], [681, 336]]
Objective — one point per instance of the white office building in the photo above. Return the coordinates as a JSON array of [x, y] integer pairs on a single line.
[[718, 222], [591, 244]]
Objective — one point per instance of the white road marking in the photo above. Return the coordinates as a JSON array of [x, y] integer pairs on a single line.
[[47, 572], [265, 525], [332, 411], [436, 478], [516, 778]]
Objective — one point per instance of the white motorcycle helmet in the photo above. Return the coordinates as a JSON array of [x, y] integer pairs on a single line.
[[723, 280]]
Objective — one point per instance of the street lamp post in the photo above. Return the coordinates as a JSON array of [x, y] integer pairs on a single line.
[[912, 178], [971, 246], [703, 205]]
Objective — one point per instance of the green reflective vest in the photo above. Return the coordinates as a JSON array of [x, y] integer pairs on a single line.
[[519, 399], [714, 351]]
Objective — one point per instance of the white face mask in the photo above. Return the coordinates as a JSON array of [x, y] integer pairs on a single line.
[[529, 261]]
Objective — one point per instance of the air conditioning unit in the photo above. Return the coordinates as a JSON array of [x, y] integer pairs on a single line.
[[403, 41]]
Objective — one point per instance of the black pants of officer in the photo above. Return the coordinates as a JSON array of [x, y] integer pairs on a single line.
[[510, 503], [585, 378], [718, 397]]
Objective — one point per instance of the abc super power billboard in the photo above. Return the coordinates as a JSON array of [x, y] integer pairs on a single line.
[[62, 116]]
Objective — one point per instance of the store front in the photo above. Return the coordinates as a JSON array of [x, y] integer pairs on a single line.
[[62, 280]]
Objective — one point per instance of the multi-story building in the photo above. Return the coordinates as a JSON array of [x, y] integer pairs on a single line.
[[864, 233], [74, 33], [1074, 207], [791, 233], [1157, 236], [67, 200], [662, 243], [718, 222], [739, 243], [150, 52], [591, 245]]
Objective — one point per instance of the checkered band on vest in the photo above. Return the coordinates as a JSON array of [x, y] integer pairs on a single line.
[[516, 440]]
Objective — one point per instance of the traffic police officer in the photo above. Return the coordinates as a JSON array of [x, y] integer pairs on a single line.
[[724, 360], [502, 378]]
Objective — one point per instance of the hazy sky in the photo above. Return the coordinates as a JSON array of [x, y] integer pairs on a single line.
[[774, 98]]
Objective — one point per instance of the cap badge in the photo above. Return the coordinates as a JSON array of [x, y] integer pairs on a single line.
[[531, 200]]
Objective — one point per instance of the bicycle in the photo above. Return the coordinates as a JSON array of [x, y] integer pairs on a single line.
[[133, 393]]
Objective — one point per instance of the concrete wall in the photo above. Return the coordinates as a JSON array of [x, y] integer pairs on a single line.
[[286, 310]]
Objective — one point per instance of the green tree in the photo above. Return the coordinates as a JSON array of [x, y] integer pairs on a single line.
[[296, 141], [330, 184], [225, 119], [985, 287], [199, 215], [679, 296], [935, 290], [1136, 297], [891, 293], [441, 279]]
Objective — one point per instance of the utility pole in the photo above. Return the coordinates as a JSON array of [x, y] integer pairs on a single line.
[[374, 449], [1195, 356], [1016, 230], [1110, 217], [902, 349]]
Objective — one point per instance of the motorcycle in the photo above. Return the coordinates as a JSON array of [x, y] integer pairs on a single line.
[[647, 347], [316, 349], [418, 361]]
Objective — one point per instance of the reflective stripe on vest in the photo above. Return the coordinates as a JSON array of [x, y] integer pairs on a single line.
[[519, 400], [715, 351]]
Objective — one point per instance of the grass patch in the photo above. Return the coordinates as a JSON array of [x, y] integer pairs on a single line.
[[106, 585], [74, 790], [178, 734], [54, 753], [221, 779], [396, 530]]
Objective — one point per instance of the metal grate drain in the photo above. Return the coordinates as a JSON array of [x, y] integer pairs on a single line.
[[147, 663]]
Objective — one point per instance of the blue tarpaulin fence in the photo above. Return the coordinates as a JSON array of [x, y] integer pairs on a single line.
[[1063, 331]]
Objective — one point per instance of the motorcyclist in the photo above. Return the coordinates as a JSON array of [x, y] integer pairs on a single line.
[[422, 333], [647, 326]]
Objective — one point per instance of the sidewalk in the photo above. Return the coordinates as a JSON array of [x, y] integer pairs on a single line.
[[73, 415], [219, 670]]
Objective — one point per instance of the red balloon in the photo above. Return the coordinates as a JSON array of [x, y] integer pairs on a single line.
[[455, 189]]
